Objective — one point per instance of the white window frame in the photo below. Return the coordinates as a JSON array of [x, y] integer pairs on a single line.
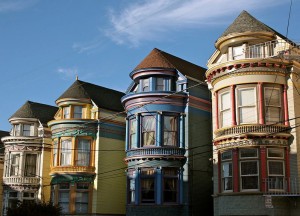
[[36, 164], [238, 55], [222, 111], [77, 114], [267, 105], [249, 175], [65, 152], [239, 107], [224, 179]]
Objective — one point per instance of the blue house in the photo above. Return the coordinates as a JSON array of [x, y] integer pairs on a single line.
[[168, 138]]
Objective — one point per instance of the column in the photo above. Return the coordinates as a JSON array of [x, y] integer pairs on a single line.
[[287, 169], [182, 131], [285, 105], [263, 165], [159, 128], [217, 109], [159, 187], [261, 103], [235, 161], [232, 89]]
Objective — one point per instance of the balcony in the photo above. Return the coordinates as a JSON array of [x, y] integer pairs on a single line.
[[280, 186], [73, 169], [252, 129], [155, 152], [263, 50], [21, 180]]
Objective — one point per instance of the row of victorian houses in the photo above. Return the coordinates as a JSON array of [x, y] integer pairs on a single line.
[[182, 140]]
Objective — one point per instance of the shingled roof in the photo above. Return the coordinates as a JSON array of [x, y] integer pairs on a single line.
[[42, 112], [161, 59], [245, 22], [2, 134], [103, 97]]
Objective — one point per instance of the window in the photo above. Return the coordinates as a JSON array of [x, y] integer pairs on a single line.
[[14, 162], [30, 165], [64, 197], [170, 185], [54, 150], [255, 51], [148, 130], [160, 84], [77, 112], [12, 199], [147, 185], [17, 130], [26, 130], [28, 197], [272, 105], [66, 152], [82, 198], [66, 112], [249, 169], [131, 183], [247, 105], [132, 133], [145, 85], [226, 158], [276, 180], [170, 130], [83, 152], [225, 109], [237, 53]]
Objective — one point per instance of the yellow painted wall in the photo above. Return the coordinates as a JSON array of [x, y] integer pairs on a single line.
[[109, 194], [45, 196]]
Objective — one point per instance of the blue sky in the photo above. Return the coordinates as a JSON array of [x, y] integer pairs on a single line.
[[44, 44]]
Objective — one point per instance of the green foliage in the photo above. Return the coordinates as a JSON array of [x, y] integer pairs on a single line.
[[34, 209]]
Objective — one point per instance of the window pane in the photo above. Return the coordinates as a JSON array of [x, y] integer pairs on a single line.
[[272, 97], [170, 130], [247, 115], [273, 114], [226, 155], [275, 153], [17, 130], [15, 158], [249, 175], [237, 52], [227, 169], [26, 130], [77, 111], [145, 85], [132, 134], [170, 190], [83, 152], [159, 84], [225, 101], [66, 112], [66, 152], [249, 182], [247, 97], [132, 190], [249, 168], [276, 168], [54, 150], [226, 118], [30, 165], [147, 190], [248, 153], [148, 128]]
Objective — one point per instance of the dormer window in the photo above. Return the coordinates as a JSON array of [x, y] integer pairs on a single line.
[[23, 130], [160, 84], [145, 84], [71, 111], [26, 130], [238, 53], [77, 111], [66, 112]]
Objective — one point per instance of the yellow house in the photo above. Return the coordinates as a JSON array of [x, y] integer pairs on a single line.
[[87, 167]]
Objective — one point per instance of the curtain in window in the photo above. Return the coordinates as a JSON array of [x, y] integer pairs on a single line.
[[148, 128], [147, 190], [66, 152], [82, 202], [78, 112], [132, 134], [26, 130], [247, 105], [17, 130], [227, 176], [15, 160], [30, 165], [83, 152], [170, 130], [63, 200], [225, 109]]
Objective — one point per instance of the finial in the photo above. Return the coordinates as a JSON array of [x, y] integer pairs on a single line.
[[76, 77]]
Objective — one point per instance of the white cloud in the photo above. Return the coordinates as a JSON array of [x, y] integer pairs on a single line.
[[152, 20], [68, 73], [15, 5]]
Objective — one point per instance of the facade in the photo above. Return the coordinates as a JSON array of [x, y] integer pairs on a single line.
[[27, 155], [168, 143], [87, 167], [253, 77]]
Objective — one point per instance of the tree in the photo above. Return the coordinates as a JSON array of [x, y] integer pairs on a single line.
[[35, 208]]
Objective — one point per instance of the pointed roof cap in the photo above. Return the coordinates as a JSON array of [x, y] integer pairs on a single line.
[[161, 59], [42, 112], [245, 22], [104, 97]]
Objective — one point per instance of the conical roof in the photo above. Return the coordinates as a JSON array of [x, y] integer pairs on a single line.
[[245, 22], [104, 97], [161, 59], [42, 112]]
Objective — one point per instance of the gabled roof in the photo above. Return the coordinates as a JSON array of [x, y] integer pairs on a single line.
[[103, 97], [161, 59], [2, 134], [42, 112], [245, 22]]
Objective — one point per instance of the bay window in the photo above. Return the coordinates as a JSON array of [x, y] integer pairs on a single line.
[[225, 109], [272, 98], [246, 105], [23, 130], [249, 170], [26, 130], [66, 152], [83, 152], [132, 133], [226, 172], [148, 130], [14, 165], [170, 130], [276, 173], [147, 185], [82, 198]]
